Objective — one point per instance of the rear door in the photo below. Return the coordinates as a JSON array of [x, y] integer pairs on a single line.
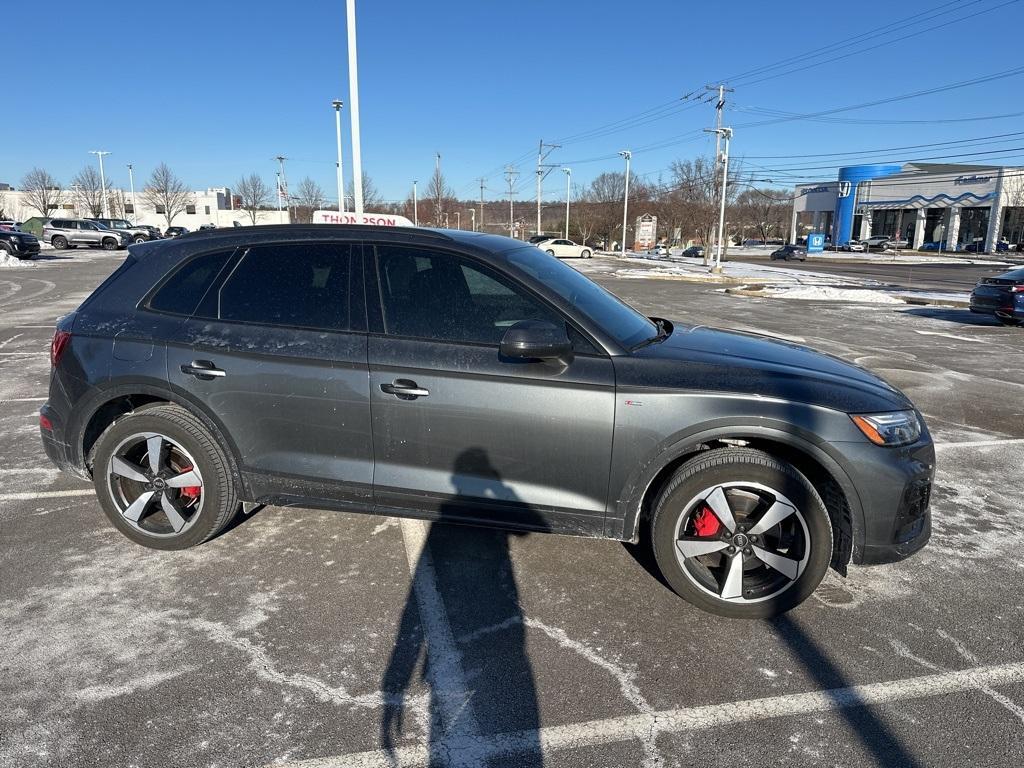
[[460, 432], [277, 352]]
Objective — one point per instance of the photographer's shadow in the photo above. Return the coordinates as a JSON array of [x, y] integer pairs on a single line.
[[463, 619]]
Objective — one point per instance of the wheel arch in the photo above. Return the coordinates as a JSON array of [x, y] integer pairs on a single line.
[[824, 471], [111, 404]]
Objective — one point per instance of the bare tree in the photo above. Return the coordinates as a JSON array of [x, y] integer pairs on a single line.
[[116, 203], [309, 197], [4, 214], [766, 211], [254, 194], [87, 191], [440, 198], [42, 192], [166, 193], [371, 197]]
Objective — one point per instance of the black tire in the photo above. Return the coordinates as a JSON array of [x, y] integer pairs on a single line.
[[550, 253], [109, 244], [1009, 321], [59, 242], [139, 239], [219, 499], [738, 466], [584, 254]]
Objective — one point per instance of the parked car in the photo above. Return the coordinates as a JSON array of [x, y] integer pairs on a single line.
[[175, 231], [474, 379], [21, 245], [876, 242], [898, 243], [658, 250], [203, 227], [694, 252], [854, 246], [790, 252], [564, 249], [934, 246], [8, 225], [137, 234], [1001, 297], [154, 231], [69, 233], [540, 239]]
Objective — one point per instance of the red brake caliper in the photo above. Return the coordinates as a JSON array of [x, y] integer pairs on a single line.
[[190, 492], [706, 524]]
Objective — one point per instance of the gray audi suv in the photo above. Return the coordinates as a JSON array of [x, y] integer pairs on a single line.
[[475, 379]]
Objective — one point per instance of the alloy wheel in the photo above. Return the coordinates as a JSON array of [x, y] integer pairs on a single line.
[[742, 542], [155, 484]]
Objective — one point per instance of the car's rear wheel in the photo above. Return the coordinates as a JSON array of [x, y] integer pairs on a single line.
[[585, 254], [549, 252], [59, 242], [162, 479], [1008, 321], [139, 239], [109, 244], [741, 534]]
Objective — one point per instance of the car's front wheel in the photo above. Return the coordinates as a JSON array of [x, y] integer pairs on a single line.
[[741, 534], [139, 239], [584, 254], [162, 479], [109, 244], [549, 252]]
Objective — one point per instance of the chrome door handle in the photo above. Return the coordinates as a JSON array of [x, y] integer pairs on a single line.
[[203, 369], [404, 389]]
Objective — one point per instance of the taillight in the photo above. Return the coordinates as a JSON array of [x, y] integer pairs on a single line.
[[45, 423], [58, 345], [1017, 289]]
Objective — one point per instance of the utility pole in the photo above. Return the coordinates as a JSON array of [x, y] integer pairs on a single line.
[[472, 213], [625, 200], [726, 134], [337, 104], [282, 184], [458, 219], [415, 205], [131, 183], [568, 188], [719, 106], [482, 180], [511, 174], [353, 100], [541, 173], [103, 182]]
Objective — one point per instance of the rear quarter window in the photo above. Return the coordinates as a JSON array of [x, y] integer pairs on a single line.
[[184, 289]]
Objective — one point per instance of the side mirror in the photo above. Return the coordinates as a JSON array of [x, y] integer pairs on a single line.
[[536, 340]]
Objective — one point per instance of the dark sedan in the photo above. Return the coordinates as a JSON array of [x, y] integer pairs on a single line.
[[694, 252], [790, 252], [176, 231], [1001, 296]]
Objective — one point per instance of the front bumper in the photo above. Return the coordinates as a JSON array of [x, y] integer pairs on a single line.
[[25, 249], [894, 485]]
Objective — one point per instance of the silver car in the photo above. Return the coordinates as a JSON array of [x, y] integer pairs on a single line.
[[68, 233]]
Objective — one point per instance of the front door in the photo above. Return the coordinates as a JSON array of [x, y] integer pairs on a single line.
[[277, 353], [460, 432]]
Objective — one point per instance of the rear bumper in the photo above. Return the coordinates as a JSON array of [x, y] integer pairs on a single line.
[[54, 443], [1014, 312]]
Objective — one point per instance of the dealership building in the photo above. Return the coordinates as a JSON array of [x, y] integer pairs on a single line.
[[955, 205]]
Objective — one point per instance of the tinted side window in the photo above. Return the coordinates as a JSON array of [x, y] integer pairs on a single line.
[[437, 296], [302, 284], [182, 293]]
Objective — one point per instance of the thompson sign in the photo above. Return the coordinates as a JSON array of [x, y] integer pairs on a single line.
[[375, 219]]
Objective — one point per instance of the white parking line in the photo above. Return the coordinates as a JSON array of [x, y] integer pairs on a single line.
[[628, 728], [952, 336], [23, 400], [980, 443], [444, 662], [46, 495]]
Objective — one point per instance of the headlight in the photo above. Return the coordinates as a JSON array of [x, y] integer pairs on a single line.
[[896, 428]]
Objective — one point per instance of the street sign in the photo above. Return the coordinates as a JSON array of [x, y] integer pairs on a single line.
[[646, 230]]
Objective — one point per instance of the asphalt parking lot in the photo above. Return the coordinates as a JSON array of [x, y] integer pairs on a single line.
[[321, 639]]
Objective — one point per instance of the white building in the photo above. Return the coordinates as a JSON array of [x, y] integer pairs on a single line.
[[214, 206]]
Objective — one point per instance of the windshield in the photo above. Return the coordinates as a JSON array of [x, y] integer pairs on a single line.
[[623, 323]]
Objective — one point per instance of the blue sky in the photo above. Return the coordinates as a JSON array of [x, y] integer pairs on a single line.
[[217, 89]]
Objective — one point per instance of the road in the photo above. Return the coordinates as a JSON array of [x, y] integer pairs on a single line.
[[925, 277], [309, 639]]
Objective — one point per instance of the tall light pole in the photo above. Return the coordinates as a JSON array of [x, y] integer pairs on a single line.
[[103, 181], [337, 104], [415, 205], [482, 181], [131, 183], [353, 100], [625, 200], [568, 187], [511, 174], [282, 183], [541, 172], [472, 212]]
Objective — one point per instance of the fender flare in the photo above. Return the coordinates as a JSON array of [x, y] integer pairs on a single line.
[[628, 507]]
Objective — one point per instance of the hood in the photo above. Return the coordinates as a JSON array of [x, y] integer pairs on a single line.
[[702, 358]]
